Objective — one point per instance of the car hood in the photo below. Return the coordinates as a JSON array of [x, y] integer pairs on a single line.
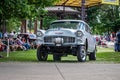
[[60, 32]]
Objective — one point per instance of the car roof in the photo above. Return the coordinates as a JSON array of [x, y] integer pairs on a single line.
[[68, 20], [26, 34], [31, 36]]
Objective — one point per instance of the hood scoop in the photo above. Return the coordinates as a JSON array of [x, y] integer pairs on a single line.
[[58, 32]]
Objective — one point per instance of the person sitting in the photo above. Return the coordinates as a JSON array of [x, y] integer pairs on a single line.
[[12, 44], [25, 44], [2, 46], [19, 44]]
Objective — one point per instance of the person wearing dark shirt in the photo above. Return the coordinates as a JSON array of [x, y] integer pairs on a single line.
[[117, 41]]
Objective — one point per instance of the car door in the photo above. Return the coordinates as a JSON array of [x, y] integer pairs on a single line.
[[90, 38]]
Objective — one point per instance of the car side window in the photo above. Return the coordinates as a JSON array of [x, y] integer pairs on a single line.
[[82, 26], [87, 29]]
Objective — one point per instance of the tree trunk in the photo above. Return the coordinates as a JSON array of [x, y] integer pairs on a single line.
[[35, 27], [41, 23], [0, 25], [3, 26], [23, 26]]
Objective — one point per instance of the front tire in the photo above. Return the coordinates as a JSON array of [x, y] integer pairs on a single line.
[[81, 53], [42, 53]]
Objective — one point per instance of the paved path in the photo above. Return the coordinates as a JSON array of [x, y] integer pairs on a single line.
[[59, 71]]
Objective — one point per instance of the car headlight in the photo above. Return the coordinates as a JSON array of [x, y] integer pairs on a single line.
[[39, 34], [79, 33]]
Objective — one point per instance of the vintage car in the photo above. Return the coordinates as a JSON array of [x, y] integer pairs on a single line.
[[66, 37]]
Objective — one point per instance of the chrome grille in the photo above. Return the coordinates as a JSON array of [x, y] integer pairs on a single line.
[[49, 39]]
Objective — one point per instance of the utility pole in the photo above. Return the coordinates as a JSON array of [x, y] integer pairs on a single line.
[[83, 10]]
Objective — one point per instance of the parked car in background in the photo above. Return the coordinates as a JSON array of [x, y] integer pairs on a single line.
[[30, 38], [66, 37]]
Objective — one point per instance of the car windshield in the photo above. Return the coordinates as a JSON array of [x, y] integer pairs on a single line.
[[64, 24], [32, 36]]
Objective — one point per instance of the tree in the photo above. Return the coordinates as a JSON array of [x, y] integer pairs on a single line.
[[104, 18], [110, 17], [92, 18], [12, 9], [38, 9], [22, 9]]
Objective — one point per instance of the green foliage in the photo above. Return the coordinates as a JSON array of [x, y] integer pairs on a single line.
[[12, 8], [104, 18], [109, 16], [13, 24], [47, 20], [39, 5], [92, 19], [22, 9]]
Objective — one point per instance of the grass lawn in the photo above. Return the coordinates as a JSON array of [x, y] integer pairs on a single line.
[[103, 55], [108, 54]]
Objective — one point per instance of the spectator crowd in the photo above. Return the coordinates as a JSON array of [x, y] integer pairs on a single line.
[[104, 40], [14, 42]]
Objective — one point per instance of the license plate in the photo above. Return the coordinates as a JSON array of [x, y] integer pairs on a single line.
[[58, 44]]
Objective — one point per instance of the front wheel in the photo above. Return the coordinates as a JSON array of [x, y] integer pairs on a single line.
[[42, 53], [81, 53]]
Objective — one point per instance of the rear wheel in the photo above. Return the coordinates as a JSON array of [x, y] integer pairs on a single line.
[[42, 53], [81, 53], [92, 56]]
